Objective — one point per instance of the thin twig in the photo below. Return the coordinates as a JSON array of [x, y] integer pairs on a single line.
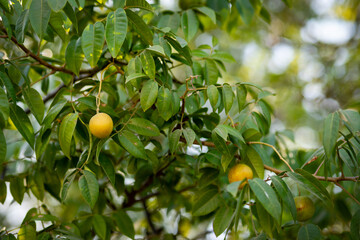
[[317, 170], [15, 58], [276, 151], [320, 178], [347, 192]]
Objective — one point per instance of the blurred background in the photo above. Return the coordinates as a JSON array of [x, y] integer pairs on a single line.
[[308, 55]]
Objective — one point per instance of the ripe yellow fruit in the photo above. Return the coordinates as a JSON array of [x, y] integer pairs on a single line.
[[239, 172], [101, 125], [305, 208]]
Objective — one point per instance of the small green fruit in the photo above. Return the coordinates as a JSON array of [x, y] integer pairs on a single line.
[[305, 208]]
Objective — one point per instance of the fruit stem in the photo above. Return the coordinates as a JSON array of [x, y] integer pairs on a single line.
[[98, 100]]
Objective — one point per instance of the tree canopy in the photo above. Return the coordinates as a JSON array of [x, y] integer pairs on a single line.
[[186, 144]]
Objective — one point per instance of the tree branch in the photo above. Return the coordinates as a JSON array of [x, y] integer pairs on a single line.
[[278, 171], [39, 59], [131, 195], [148, 217], [320, 178]]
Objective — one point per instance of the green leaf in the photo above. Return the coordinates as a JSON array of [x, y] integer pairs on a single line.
[[89, 187], [99, 225], [288, 3], [56, 23], [223, 218], [9, 237], [208, 176], [39, 14], [140, 26], [316, 183], [138, 4], [24, 73], [208, 12], [35, 103], [135, 76], [115, 30], [92, 40], [246, 10], [220, 143], [6, 24], [36, 183], [22, 123], [211, 72], [164, 102], [148, 95], [4, 105], [57, 5], [355, 226], [132, 144], [232, 131], [182, 50], [331, 128], [17, 189], [3, 191], [189, 24], [44, 217], [68, 179], [66, 132], [266, 196], [108, 168], [207, 202], [190, 136], [285, 194], [174, 138], [264, 219], [233, 187], [314, 188], [223, 57], [222, 131], [226, 160], [69, 11], [143, 127], [124, 223], [5, 4], [213, 95], [241, 93], [157, 50], [352, 118], [309, 232], [251, 134], [74, 56], [148, 64], [228, 97], [239, 205], [52, 114], [264, 14], [27, 232], [3, 147], [255, 161], [9, 85], [21, 25]]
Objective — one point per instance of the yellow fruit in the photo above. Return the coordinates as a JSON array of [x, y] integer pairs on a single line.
[[101, 125], [239, 172], [305, 208]]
